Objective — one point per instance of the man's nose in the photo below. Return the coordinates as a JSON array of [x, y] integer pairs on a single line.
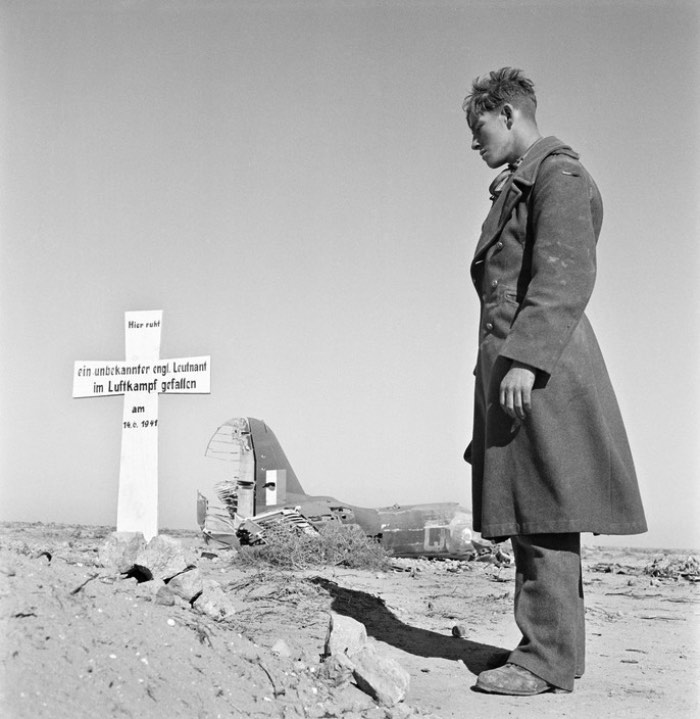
[[475, 144]]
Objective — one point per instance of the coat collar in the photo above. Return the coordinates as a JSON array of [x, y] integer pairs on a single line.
[[520, 181], [526, 172]]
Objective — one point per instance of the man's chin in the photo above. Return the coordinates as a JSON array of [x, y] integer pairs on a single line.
[[491, 163]]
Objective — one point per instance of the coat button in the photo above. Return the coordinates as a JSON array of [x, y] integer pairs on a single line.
[[499, 245], [494, 283], [489, 326]]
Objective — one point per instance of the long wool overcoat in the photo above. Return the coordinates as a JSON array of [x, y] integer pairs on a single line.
[[567, 467]]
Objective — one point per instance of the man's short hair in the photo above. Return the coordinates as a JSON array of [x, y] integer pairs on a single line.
[[498, 87]]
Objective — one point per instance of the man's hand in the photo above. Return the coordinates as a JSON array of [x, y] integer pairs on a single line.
[[516, 390]]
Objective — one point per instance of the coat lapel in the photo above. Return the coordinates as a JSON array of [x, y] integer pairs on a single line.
[[522, 179], [500, 212]]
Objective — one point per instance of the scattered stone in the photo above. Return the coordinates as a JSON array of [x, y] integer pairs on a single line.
[[345, 636], [214, 602], [164, 596], [148, 590], [8, 570], [374, 713], [337, 670], [120, 549], [459, 631], [380, 676], [165, 557], [187, 585], [400, 712], [281, 648]]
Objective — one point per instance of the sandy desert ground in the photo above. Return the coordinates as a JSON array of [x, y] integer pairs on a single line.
[[81, 641]]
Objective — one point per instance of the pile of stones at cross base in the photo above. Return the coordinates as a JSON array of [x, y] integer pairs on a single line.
[[168, 570]]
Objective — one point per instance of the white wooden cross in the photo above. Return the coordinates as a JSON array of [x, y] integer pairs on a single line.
[[140, 378]]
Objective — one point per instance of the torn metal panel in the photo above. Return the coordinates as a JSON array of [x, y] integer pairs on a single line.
[[319, 511], [255, 529], [250, 532], [289, 518], [232, 442], [216, 523]]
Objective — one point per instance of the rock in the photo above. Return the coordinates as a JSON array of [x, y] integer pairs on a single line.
[[281, 648], [345, 636], [187, 584], [165, 557], [401, 712], [164, 596], [214, 602], [337, 670], [8, 570], [380, 676], [120, 549], [374, 713], [148, 590]]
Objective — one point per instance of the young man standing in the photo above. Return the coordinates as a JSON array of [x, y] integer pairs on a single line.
[[549, 452]]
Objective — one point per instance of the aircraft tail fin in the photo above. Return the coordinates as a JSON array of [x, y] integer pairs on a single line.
[[262, 475], [269, 455]]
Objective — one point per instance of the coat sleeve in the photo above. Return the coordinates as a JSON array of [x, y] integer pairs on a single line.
[[562, 239]]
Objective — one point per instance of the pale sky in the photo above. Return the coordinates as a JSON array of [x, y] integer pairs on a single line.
[[292, 184]]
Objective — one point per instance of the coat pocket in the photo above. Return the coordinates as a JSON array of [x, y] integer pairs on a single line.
[[503, 312]]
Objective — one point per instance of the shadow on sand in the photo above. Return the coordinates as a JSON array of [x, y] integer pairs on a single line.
[[383, 625]]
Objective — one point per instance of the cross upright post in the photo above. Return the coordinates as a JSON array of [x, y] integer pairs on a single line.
[[140, 378]]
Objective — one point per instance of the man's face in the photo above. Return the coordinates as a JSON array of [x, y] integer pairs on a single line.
[[492, 138]]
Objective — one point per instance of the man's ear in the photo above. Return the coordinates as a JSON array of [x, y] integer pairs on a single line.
[[508, 114]]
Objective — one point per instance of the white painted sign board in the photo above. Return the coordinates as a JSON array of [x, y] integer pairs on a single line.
[[141, 377]]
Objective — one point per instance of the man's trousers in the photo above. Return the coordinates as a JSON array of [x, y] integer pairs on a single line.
[[549, 607]]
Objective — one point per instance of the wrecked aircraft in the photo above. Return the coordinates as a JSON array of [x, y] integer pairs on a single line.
[[264, 491]]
